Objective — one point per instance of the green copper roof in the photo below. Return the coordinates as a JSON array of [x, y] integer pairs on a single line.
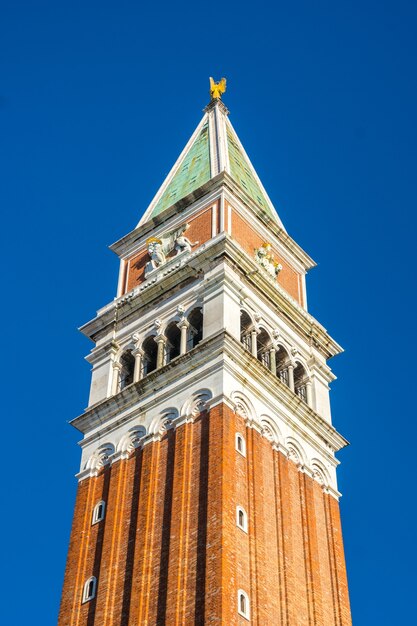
[[193, 172], [240, 171]]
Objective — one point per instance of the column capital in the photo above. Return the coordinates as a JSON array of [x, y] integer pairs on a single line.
[[114, 348]]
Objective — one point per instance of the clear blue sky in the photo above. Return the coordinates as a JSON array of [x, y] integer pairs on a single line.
[[96, 101]]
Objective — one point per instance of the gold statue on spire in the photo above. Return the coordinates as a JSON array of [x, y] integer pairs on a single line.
[[216, 89]]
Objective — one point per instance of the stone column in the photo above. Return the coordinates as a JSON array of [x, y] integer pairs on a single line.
[[273, 360], [116, 378], [183, 325], [138, 354], [291, 376], [160, 358], [253, 343], [309, 389], [114, 349]]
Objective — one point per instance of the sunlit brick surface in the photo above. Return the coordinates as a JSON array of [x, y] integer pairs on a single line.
[[169, 550]]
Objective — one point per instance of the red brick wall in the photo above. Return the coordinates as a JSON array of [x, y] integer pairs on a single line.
[[169, 550], [250, 239], [200, 230]]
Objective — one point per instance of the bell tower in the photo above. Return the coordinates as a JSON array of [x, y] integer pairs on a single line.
[[207, 490]]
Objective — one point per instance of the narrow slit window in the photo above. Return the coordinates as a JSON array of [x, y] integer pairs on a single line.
[[243, 607], [98, 512], [242, 519], [89, 591], [240, 444]]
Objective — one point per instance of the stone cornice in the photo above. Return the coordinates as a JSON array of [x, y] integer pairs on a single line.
[[262, 375], [295, 316], [212, 354], [187, 268]]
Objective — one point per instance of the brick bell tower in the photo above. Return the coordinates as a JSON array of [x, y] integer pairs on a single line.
[[207, 491]]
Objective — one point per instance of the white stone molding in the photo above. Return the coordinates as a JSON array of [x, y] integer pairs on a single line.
[[296, 452], [149, 333], [163, 422], [131, 440], [197, 403], [100, 458], [243, 294], [320, 473], [299, 359], [167, 424], [243, 406], [270, 430]]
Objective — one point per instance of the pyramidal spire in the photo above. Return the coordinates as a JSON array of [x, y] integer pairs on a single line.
[[213, 148]]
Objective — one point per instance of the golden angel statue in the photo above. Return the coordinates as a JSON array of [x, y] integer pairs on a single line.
[[216, 89]]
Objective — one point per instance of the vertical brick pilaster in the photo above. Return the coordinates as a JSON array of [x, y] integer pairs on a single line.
[[280, 534], [210, 519], [169, 550], [270, 548], [338, 562]]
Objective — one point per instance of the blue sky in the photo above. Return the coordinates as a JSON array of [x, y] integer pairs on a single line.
[[96, 101]]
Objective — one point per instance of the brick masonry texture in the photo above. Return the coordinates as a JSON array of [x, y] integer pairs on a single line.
[[250, 239], [169, 551]]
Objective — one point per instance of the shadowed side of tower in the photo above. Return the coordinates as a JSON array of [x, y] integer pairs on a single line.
[[207, 491]]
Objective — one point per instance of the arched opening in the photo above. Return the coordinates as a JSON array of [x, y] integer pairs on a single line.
[[241, 519], [245, 328], [282, 360], [243, 604], [300, 382], [263, 343], [173, 346], [98, 512], [89, 591], [150, 351], [240, 444], [127, 362], [195, 330]]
